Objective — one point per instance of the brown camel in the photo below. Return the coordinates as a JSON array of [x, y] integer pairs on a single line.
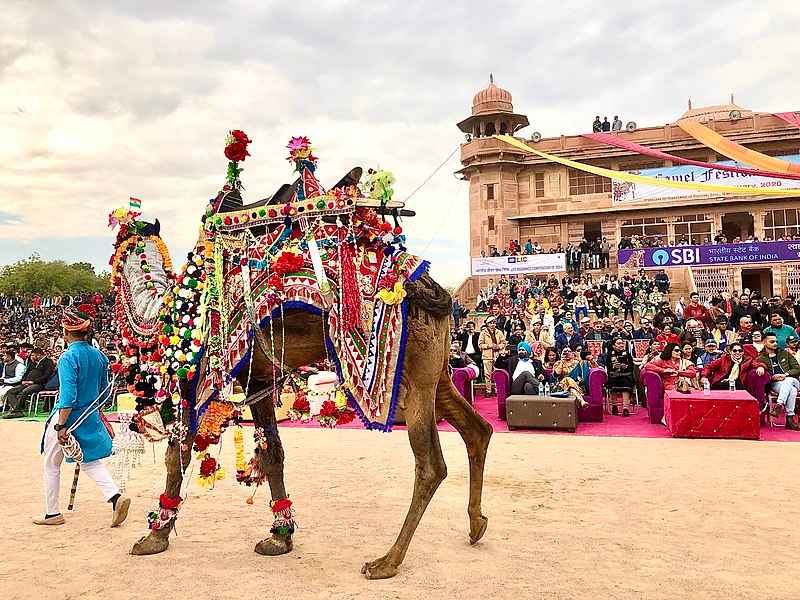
[[425, 389]]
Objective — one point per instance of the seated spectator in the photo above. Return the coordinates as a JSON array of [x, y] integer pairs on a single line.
[[784, 371], [11, 372], [662, 281], [668, 367], [550, 360], [619, 365], [526, 373], [695, 310], [721, 334], [777, 327], [690, 357], [567, 374], [568, 339], [645, 331], [793, 346], [710, 352], [37, 374], [461, 360], [732, 365], [667, 336], [744, 333]]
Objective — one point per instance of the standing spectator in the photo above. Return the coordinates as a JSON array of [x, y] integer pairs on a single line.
[[606, 126], [491, 343], [528, 247], [617, 124], [597, 126], [605, 252]]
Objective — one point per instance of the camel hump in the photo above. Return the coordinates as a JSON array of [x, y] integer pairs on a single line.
[[429, 296]]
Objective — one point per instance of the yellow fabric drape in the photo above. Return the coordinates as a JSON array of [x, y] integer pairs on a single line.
[[735, 151], [623, 176]]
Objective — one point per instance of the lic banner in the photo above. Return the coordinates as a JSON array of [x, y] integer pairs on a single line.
[[519, 265]]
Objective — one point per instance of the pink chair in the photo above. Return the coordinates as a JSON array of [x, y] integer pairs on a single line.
[[462, 379], [592, 412]]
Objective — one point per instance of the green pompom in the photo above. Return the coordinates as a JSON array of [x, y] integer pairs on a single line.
[[182, 372], [167, 412]]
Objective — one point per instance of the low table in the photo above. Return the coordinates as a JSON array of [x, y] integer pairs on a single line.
[[540, 412], [720, 414]]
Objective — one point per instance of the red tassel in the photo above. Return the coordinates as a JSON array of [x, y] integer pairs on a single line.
[[351, 295]]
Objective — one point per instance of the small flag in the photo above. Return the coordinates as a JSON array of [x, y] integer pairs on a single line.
[[136, 204]]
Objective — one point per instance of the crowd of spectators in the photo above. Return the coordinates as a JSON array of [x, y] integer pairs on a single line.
[[31, 341], [553, 332], [660, 241]]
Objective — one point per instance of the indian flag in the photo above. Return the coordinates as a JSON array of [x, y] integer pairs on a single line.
[[136, 204]]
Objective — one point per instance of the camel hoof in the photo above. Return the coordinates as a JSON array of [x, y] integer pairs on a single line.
[[477, 529], [274, 546], [382, 568], [150, 544]]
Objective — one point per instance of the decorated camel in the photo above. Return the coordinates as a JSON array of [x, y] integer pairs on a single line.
[[305, 277]]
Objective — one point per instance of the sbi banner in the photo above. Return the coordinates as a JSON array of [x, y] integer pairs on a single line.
[[719, 254], [519, 265]]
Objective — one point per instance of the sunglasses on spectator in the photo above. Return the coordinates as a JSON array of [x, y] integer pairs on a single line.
[[737, 351]]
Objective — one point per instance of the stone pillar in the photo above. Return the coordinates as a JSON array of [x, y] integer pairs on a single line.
[[758, 223]]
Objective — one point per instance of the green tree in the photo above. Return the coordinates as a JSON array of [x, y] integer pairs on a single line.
[[47, 278]]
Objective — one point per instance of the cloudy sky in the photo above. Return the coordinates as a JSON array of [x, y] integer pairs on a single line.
[[100, 101]]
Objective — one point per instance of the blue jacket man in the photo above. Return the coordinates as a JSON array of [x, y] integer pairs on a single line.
[[84, 387]]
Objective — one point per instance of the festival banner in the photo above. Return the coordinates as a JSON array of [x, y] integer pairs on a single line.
[[731, 149], [519, 265], [623, 191], [779, 191], [718, 254]]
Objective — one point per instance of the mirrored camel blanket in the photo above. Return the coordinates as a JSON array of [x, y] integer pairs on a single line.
[[368, 356]]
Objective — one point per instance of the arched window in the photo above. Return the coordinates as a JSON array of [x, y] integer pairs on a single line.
[[503, 128], [490, 129]]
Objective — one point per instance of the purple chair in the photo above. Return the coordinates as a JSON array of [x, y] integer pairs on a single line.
[[654, 389], [462, 379], [592, 412]]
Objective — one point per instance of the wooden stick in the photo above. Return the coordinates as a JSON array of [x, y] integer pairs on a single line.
[[74, 486]]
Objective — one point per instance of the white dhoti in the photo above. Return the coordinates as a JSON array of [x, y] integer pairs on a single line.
[[54, 457]]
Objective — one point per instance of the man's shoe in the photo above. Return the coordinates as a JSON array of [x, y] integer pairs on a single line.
[[14, 415], [776, 410], [120, 511], [791, 423], [54, 520]]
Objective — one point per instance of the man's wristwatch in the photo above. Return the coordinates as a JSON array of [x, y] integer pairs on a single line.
[[59, 426]]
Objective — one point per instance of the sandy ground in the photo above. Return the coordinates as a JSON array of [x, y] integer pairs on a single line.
[[569, 517]]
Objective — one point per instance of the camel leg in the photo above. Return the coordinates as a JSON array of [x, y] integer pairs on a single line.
[[430, 471], [476, 433], [270, 462], [158, 539]]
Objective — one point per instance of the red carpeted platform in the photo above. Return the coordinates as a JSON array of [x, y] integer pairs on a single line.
[[637, 425]]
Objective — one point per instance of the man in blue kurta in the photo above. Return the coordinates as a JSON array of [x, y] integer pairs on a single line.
[[83, 378]]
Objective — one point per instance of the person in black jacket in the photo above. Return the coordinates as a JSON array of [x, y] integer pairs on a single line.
[[526, 373], [40, 370], [468, 338]]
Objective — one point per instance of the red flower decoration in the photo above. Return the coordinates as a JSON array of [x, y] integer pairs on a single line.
[[275, 281], [345, 416], [236, 150], [165, 501], [301, 405], [288, 262], [328, 409], [201, 442], [208, 466]]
